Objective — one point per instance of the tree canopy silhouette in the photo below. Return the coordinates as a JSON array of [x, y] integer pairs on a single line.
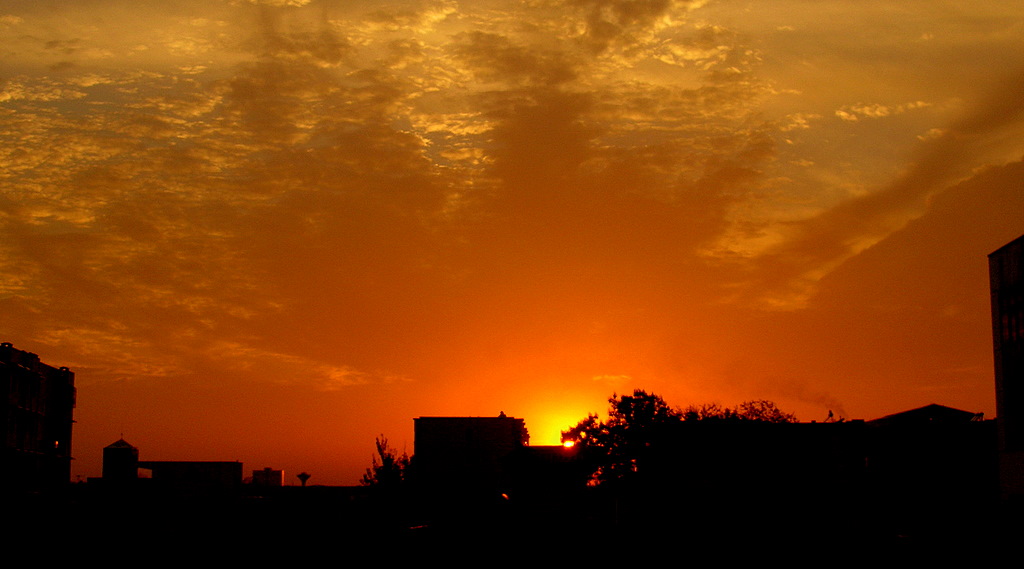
[[638, 422], [756, 410], [615, 445]]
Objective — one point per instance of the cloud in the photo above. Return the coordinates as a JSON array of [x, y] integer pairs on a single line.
[[279, 3], [615, 382], [493, 57], [16, 90], [622, 22], [877, 110], [418, 17], [354, 188], [289, 369], [816, 246]]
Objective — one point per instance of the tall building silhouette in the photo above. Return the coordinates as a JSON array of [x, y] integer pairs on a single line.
[[1006, 277], [37, 417]]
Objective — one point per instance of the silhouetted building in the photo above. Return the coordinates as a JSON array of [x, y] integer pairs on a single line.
[[906, 473], [191, 479], [144, 483], [1006, 280], [465, 455], [728, 463], [120, 462], [268, 478], [546, 472], [928, 415], [932, 458], [37, 415]]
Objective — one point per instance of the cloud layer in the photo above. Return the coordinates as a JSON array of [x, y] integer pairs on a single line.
[[434, 207]]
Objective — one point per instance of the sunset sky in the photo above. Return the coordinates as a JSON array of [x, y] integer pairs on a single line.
[[270, 230]]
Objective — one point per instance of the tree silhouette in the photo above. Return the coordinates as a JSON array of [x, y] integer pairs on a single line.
[[764, 411], [387, 469], [643, 424], [618, 444], [754, 410]]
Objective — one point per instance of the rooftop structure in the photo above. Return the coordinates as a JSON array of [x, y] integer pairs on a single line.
[[120, 462]]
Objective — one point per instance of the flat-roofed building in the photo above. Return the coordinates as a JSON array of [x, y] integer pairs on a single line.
[[268, 478], [465, 455], [195, 478]]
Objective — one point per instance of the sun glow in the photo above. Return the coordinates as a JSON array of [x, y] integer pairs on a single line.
[[546, 422]]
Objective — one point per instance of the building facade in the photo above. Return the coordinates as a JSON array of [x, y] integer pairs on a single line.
[[1006, 278], [38, 415]]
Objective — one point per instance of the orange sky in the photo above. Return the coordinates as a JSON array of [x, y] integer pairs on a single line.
[[269, 230]]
